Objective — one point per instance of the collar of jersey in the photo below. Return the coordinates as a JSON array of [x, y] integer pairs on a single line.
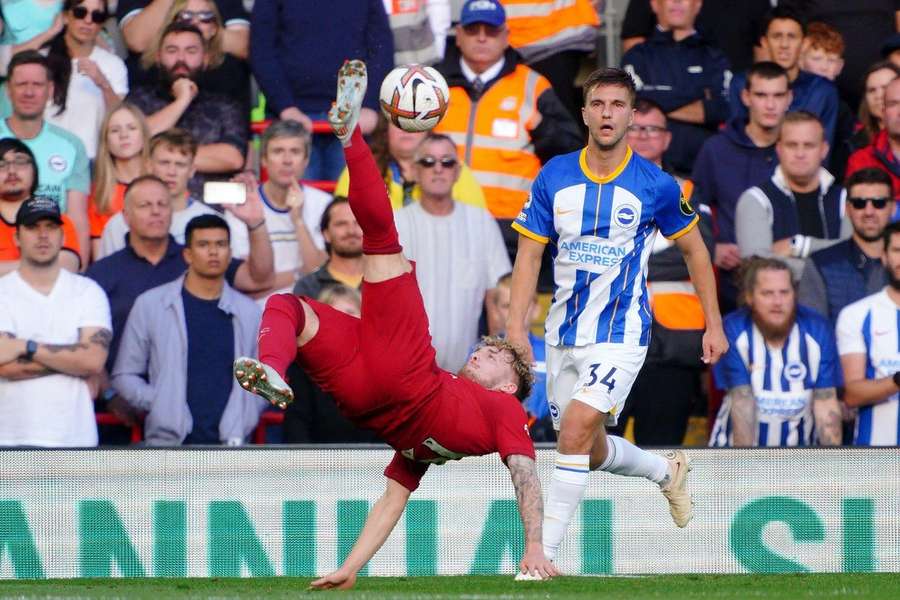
[[582, 161]]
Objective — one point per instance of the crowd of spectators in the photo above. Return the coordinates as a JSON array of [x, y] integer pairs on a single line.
[[127, 288]]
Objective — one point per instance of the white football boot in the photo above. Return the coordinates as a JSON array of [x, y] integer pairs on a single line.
[[681, 506], [351, 89], [262, 380]]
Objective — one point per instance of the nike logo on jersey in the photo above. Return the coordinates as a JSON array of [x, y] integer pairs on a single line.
[[560, 212], [882, 332]]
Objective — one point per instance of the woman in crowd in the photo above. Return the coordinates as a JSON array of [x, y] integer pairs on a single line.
[[27, 25], [395, 154], [227, 72], [121, 158], [871, 108], [87, 78]]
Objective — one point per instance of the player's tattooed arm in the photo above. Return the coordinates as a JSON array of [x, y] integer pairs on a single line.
[[827, 414], [743, 415], [525, 480]]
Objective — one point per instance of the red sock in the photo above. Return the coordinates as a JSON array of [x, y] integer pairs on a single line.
[[282, 321], [369, 199]]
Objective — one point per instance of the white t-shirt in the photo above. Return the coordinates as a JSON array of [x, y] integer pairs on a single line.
[[871, 326], [285, 248], [54, 410], [113, 238], [459, 257], [85, 106]]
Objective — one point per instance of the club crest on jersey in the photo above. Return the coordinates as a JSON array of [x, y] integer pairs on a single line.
[[626, 216], [685, 206], [57, 163], [794, 371], [554, 411]]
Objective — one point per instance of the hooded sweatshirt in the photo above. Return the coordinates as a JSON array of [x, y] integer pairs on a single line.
[[729, 163]]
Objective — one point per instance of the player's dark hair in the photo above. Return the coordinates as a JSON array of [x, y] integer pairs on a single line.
[[869, 175], [204, 222], [608, 76], [182, 27], [749, 273], [766, 70], [520, 365], [16, 145], [889, 231], [326, 217]]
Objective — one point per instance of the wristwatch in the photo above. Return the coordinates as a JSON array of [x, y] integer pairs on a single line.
[[30, 348]]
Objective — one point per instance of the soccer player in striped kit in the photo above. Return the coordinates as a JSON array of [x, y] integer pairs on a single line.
[[781, 371], [599, 209], [868, 337]]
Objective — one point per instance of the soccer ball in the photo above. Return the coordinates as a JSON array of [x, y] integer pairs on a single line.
[[414, 97]]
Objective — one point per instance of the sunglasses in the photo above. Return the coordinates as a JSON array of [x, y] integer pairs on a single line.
[[648, 130], [860, 203], [204, 16], [429, 162], [98, 17], [489, 30]]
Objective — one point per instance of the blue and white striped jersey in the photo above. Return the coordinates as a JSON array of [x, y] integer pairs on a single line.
[[871, 326], [782, 379], [601, 233]]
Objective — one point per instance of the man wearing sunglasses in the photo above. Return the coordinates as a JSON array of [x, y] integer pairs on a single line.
[[800, 208], [459, 250], [852, 269]]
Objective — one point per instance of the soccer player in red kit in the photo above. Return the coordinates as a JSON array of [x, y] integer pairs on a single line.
[[380, 368]]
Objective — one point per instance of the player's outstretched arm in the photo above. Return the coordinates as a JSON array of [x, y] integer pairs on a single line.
[[531, 508], [700, 267], [379, 524]]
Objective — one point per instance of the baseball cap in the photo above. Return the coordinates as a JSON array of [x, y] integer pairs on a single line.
[[890, 44], [483, 11], [36, 208]]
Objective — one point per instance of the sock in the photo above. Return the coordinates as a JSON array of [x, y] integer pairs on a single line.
[[282, 321], [567, 485], [369, 199], [624, 458]]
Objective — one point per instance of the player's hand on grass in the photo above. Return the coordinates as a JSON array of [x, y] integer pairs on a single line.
[[338, 580], [715, 344], [536, 563]]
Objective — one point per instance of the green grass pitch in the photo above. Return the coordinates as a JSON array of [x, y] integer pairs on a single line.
[[676, 587]]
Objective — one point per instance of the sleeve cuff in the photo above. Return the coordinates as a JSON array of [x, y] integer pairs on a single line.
[[685, 229], [530, 234]]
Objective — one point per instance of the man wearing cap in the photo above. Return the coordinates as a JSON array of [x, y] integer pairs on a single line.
[[18, 181], [54, 334], [504, 117]]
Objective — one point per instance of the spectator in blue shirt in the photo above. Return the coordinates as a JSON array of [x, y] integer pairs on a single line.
[[783, 34], [295, 52], [680, 70]]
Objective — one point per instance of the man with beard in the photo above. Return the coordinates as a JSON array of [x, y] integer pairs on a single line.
[[851, 269], [868, 334], [215, 122], [343, 242], [180, 375], [780, 373], [18, 182], [54, 334]]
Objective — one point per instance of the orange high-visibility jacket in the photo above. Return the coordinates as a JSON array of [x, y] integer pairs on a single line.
[[540, 28], [492, 136]]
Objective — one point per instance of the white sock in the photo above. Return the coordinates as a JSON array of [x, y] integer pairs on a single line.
[[624, 458], [567, 485]]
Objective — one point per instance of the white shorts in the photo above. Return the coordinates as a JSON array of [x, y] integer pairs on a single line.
[[599, 375]]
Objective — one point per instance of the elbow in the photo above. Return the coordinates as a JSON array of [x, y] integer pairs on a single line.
[[233, 160], [94, 365]]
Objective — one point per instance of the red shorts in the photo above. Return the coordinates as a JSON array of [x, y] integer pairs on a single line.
[[380, 362]]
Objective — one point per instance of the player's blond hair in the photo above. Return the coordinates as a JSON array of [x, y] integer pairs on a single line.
[[520, 364]]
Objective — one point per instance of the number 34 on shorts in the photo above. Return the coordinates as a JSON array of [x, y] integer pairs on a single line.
[[599, 375]]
